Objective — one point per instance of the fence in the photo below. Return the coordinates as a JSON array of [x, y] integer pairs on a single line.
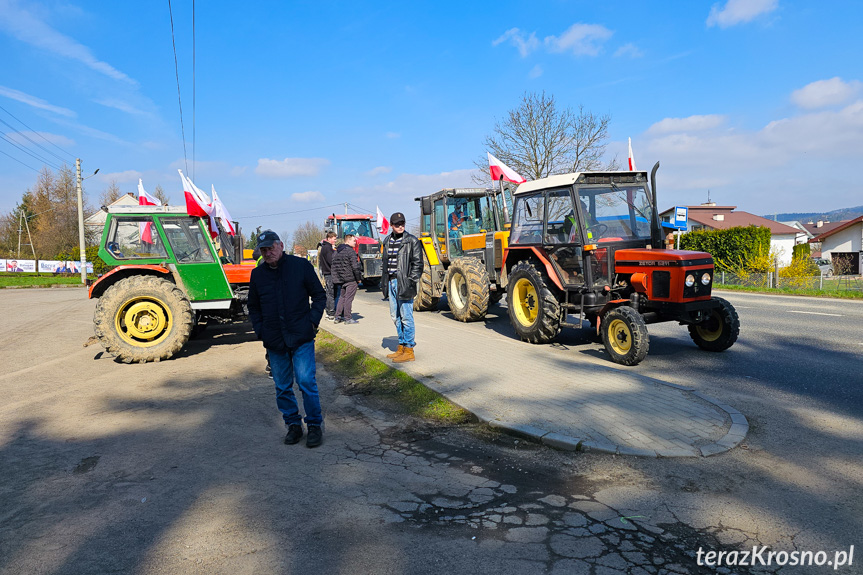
[[769, 280]]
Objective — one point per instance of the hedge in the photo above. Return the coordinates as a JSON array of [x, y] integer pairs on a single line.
[[732, 247]]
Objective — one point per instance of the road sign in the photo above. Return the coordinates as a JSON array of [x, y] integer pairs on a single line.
[[681, 217]]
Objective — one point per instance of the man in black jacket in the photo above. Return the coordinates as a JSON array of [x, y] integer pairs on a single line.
[[402, 270], [347, 273], [325, 259], [279, 293]]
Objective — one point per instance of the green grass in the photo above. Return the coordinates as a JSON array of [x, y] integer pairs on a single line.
[[360, 373], [24, 279], [831, 293]]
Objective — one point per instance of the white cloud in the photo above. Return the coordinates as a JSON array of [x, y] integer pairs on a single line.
[[524, 44], [825, 93], [120, 177], [379, 170], [40, 138], [308, 197], [35, 102], [629, 50], [393, 135], [690, 124], [238, 170], [536, 71], [739, 12], [120, 105], [580, 39], [19, 23], [290, 167]]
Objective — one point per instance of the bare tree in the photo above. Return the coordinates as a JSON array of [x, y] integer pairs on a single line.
[[308, 235], [538, 139], [111, 194], [161, 195]]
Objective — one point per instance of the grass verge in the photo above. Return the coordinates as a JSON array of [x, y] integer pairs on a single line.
[[20, 279], [837, 294], [360, 373]]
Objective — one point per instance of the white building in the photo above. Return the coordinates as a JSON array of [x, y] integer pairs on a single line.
[[844, 246]]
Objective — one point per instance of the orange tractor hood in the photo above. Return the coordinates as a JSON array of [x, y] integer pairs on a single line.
[[641, 256]]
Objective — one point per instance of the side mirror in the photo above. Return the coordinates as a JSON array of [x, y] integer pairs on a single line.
[[426, 206]]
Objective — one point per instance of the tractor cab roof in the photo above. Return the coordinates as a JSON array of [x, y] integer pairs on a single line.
[[179, 210], [618, 177], [353, 217], [459, 193]]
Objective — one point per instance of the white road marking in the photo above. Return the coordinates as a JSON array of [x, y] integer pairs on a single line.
[[815, 313]]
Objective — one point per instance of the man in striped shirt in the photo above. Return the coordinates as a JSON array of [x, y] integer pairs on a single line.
[[401, 273]]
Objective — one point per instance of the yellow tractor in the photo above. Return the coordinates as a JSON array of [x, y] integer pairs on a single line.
[[464, 232]]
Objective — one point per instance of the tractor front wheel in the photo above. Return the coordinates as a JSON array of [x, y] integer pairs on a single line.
[[425, 300], [534, 311], [467, 289], [624, 335], [720, 330], [143, 318]]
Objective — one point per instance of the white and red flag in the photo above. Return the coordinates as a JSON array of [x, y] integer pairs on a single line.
[[198, 204], [500, 170], [383, 223], [145, 199], [631, 157], [222, 212]]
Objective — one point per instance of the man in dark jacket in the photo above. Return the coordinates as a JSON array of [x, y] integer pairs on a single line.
[[325, 261], [346, 273], [279, 293], [402, 270]]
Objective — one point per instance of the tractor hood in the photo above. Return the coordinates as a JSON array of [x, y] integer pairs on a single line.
[[659, 258]]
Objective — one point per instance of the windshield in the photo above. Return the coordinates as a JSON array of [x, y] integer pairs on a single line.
[[616, 212], [357, 228]]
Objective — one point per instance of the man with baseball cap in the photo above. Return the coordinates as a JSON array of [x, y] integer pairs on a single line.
[[279, 293], [402, 270]]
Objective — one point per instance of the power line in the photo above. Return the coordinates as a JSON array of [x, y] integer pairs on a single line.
[[29, 153], [37, 133], [291, 212], [179, 100], [26, 137], [193, 90], [19, 161]]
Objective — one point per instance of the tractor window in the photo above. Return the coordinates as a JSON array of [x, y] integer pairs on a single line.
[[440, 221], [562, 226], [617, 212], [527, 220], [425, 224], [135, 239], [187, 240]]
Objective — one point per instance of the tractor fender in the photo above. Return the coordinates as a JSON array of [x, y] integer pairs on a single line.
[[121, 272], [539, 255]]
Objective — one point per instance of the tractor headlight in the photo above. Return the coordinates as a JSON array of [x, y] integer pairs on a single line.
[[690, 280], [705, 279]]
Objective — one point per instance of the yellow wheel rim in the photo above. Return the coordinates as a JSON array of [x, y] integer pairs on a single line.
[[526, 304], [711, 329], [619, 336], [458, 290], [143, 321]]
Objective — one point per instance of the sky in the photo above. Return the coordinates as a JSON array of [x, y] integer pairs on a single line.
[[291, 109]]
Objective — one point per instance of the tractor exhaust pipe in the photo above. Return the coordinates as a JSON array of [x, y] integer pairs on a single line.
[[657, 228]]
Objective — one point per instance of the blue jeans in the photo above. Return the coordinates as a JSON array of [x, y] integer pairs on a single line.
[[402, 314], [297, 364]]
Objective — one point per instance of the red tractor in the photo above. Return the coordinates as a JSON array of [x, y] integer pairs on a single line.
[[368, 242]]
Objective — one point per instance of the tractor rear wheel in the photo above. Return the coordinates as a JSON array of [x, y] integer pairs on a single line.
[[720, 330], [425, 301], [143, 318], [467, 289], [534, 311], [625, 336]]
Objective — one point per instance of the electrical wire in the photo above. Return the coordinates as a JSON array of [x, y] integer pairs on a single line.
[[37, 133], [29, 153], [19, 161], [291, 212], [193, 90], [26, 137], [179, 100]]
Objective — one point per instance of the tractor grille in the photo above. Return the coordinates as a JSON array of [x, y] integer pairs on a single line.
[[370, 248], [661, 285], [372, 268]]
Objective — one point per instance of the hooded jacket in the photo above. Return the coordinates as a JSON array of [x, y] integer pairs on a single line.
[[410, 267], [279, 304], [325, 257]]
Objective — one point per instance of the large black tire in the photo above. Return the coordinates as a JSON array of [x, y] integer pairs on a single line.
[[719, 331], [143, 318], [467, 289], [371, 282], [534, 310], [424, 301], [625, 336]]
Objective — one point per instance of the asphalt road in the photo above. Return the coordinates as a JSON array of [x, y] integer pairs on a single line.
[[178, 467]]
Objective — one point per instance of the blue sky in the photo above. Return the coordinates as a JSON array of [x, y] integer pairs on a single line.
[[303, 105]]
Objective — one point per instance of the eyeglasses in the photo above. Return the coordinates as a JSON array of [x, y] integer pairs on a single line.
[[398, 225]]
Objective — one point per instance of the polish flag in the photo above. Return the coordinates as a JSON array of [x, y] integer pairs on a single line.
[[383, 223], [500, 170], [198, 203], [221, 212], [631, 157], [145, 199]]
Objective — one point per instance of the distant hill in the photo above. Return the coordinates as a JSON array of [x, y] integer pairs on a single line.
[[834, 216]]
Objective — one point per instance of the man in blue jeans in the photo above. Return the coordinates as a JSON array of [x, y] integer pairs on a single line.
[[402, 270], [279, 293]]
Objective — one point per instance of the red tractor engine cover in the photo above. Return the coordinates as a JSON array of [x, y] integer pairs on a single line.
[[661, 274]]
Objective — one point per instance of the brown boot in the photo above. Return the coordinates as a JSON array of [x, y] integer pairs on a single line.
[[407, 355], [397, 352]]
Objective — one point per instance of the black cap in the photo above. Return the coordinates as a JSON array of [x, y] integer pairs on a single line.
[[397, 218], [267, 239]]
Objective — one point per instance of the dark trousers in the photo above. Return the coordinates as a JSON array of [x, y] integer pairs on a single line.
[[332, 294], [346, 300]]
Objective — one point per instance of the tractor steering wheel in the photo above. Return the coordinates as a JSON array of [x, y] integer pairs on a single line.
[[189, 255]]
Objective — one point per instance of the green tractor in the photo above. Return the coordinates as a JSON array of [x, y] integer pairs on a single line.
[[171, 278]]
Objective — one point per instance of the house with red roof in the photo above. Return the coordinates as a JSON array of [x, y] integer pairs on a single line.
[[709, 216], [843, 244]]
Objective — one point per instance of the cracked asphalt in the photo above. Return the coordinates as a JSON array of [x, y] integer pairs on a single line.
[[179, 467]]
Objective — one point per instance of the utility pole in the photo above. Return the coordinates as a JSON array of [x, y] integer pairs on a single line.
[[81, 245]]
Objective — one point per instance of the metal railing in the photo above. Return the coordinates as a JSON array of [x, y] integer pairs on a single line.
[[771, 281]]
